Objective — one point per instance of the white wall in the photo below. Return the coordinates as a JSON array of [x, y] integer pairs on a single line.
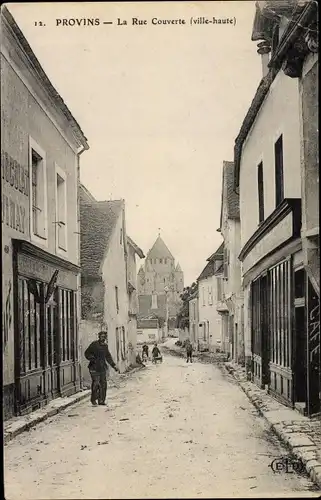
[[148, 335], [133, 305], [278, 115], [88, 332], [114, 274], [209, 313]]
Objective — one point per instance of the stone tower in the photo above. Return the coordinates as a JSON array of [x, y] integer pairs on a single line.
[[161, 275]]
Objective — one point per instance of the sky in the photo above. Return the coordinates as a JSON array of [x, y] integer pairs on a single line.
[[160, 105]]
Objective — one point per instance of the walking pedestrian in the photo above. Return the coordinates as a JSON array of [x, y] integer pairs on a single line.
[[189, 352], [98, 356]]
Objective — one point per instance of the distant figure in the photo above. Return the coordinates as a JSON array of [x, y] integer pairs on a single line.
[[98, 356], [189, 352], [156, 353], [145, 352]]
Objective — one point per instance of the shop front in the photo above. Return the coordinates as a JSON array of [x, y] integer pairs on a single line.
[[45, 327]]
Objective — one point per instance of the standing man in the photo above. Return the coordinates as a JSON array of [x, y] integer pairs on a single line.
[[189, 352], [98, 356]]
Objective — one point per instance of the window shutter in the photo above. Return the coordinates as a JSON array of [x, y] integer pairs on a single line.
[[225, 264]]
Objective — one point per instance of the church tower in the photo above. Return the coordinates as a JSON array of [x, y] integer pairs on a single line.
[[159, 281]]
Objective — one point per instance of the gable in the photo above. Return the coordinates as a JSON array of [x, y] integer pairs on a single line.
[[97, 222]]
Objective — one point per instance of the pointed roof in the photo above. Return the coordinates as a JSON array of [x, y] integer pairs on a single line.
[[218, 254], [178, 268], [85, 195], [229, 195], [37, 71], [138, 250], [207, 271], [159, 250], [97, 222]]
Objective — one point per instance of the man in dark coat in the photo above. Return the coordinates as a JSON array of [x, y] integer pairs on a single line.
[[98, 356], [189, 351]]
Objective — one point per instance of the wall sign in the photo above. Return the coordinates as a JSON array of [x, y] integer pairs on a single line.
[[16, 178], [314, 360]]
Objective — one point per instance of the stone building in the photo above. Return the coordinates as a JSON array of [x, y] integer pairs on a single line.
[[209, 317], [108, 279], [277, 147], [160, 283], [40, 147], [230, 228]]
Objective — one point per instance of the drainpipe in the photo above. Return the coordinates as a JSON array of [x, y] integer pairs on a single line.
[[79, 276]]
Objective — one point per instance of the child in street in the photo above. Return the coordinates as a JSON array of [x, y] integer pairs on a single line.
[[156, 353]]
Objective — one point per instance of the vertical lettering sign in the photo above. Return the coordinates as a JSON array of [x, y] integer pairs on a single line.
[[313, 324], [16, 178]]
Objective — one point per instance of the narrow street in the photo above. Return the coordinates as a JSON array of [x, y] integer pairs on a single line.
[[175, 430]]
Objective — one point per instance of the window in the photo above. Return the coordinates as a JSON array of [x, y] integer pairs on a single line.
[[165, 261], [161, 261], [260, 188], [118, 353], [61, 209], [226, 263], [210, 296], [219, 289], [203, 292], [123, 343], [121, 236], [116, 298], [279, 181], [38, 190], [154, 301]]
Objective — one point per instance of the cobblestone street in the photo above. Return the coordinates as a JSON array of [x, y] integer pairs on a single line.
[[174, 430]]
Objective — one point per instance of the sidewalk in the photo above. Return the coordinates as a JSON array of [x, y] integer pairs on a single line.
[[16, 425], [299, 433]]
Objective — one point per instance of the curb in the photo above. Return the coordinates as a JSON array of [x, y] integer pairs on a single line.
[[304, 450], [25, 423]]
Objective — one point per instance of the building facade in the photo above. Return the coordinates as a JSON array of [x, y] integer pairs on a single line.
[[209, 318], [281, 308], [160, 283], [230, 229], [108, 271], [148, 331], [194, 319], [40, 147], [132, 251]]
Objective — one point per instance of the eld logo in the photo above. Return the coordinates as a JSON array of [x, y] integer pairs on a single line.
[[287, 465]]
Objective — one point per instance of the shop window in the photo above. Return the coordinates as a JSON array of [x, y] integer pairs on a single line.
[[67, 325], [299, 285]]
